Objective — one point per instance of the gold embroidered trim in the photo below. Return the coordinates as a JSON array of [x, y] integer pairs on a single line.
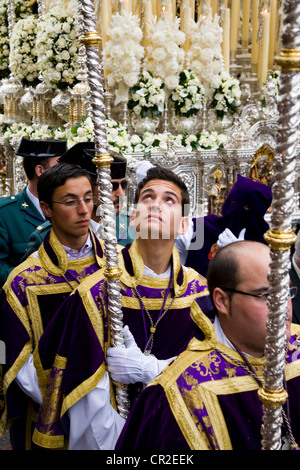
[[138, 268], [60, 253], [49, 442], [83, 389], [185, 421]]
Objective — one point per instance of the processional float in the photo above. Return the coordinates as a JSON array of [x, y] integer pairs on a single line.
[[102, 160], [280, 236]]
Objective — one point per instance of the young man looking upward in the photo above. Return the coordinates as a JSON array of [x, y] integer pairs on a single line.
[[162, 303]]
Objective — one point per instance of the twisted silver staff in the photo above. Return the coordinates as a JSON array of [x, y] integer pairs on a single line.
[[102, 160], [280, 237]]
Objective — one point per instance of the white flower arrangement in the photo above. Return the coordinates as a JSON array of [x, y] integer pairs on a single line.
[[21, 11], [23, 53], [226, 97], [4, 41], [205, 53], [117, 135], [164, 57], [147, 96], [17, 130], [58, 46], [123, 53], [270, 89], [188, 95], [119, 139]]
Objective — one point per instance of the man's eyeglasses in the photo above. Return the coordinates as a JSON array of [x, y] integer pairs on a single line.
[[116, 184], [74, 203], [263, 295]]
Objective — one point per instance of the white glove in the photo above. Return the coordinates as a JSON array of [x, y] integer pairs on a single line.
[[129, 365], [227, 237]]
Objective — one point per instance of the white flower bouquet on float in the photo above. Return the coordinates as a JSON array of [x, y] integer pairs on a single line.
[[23, 53], [226, 97], [147, 96], [188, 100], [17, 130], [58, 46], [205, 53], [4, 41], [122, 54], [164, 58], [147, 101], [188, 95]]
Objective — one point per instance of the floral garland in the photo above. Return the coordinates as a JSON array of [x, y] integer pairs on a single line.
[[119, 139], [123, 53], [23, 53], [205, 53], [4, 41], [226, 98], [18, 130], [164, 57], [271, 87], [188, 95], [58, 46], [21, 11], [147, 95]]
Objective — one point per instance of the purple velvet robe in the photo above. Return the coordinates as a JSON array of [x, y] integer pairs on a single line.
[[76, 340], [203, 401], [33, 292], [245, 207]]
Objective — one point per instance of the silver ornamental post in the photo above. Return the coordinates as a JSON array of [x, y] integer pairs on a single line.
[[102, 160], [280, 236]]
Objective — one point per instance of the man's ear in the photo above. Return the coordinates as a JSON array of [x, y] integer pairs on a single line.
[[183, 226], [39, 169], [221, 301], [132, 218], [46, 209]]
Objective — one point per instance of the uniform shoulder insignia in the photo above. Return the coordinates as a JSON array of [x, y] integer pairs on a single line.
[[4, 201], [44, 226]]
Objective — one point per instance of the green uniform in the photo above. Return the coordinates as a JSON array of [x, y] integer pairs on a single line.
[[18, 219]]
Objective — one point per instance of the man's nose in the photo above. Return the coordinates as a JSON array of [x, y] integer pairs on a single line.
[[120, 191], [83, 207]]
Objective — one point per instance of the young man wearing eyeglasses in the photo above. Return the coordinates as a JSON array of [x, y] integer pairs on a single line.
[[81, 155], [207, 398], [35, 289]]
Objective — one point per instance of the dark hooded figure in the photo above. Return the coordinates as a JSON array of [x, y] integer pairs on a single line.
[[244, 208]]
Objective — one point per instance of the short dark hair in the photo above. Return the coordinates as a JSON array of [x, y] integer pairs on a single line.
[[56, 176], [159, 173], [29, 164], [223, 270]]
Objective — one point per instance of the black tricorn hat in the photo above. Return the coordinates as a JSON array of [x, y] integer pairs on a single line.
[[43, 148], [82, 154]]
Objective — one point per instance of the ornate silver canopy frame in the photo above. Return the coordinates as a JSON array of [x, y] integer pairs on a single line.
[[280, 236], [103, 160]]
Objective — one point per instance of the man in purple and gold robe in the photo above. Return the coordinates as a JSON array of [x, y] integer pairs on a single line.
[[162, 303], [37, 287], [207, 399]]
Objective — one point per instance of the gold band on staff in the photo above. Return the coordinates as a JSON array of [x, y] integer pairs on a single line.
[[103, 161], [91, 39], [279, 240], [272, 398], [289, 60]]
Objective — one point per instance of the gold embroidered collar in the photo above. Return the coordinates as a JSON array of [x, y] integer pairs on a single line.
[[138, 270]]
